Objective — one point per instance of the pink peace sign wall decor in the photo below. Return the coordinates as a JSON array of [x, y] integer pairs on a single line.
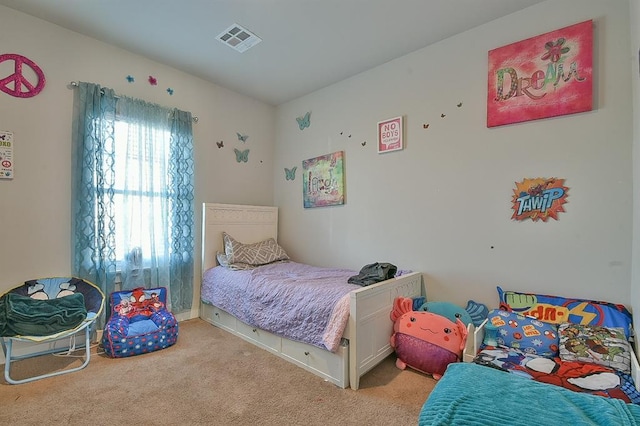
[[17, 84]]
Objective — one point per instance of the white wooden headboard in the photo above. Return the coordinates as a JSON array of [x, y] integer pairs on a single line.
[[247, 224]]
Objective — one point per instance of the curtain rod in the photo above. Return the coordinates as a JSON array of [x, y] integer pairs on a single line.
[[75, 84]]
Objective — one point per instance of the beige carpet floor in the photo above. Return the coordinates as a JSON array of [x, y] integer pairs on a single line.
[[208, 377]]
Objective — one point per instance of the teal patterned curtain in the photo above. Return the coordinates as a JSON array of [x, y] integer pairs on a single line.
[[181, 202], [151, 197], [93, 227]]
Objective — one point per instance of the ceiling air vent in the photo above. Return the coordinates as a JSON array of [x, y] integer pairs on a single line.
[[238, 38]]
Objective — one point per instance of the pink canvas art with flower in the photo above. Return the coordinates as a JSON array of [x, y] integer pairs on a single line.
[[543, 76]]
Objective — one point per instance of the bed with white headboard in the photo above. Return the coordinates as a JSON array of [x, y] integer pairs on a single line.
[[365, 341]]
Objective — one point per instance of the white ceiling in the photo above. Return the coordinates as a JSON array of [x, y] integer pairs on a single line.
[[307, 44]]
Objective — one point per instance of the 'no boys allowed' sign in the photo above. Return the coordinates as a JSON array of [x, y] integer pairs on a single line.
[[6, 155], [390, 135]]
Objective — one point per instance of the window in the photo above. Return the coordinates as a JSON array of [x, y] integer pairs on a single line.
[[140, 195], [132, 193]]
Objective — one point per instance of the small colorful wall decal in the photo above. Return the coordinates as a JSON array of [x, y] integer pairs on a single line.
[[17, 84], [544, 76], [539, 199], [242, 138], [153, 81], [323, 180], [390, 136], [442, 116], [241, 156], [6, 155], [290, 174], [220, 144], [363, 143], [130, 78], [304, 121], [170, 91]]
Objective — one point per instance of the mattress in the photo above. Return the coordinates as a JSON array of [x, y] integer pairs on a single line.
[[575, 376], [293, 300], [471, 394]]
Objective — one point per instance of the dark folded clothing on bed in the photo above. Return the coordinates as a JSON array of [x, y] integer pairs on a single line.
[[24, 316], [374, 273]]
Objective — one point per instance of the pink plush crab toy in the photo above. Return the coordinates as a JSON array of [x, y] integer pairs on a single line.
[[425, 341]]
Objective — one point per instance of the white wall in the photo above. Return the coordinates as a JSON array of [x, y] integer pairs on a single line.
[[437, 207], [635, 86], [443, 205], [35, 207]]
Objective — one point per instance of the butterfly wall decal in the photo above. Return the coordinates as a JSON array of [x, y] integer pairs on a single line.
[[425, 126], [459, 105], [242, 138], [290, 174], [241, 156], [130, 79], [220, 144], [364, 143], [153, 81], [305, 121]]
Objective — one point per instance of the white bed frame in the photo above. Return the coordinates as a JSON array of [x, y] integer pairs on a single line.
[[476, 336], [365, 342]]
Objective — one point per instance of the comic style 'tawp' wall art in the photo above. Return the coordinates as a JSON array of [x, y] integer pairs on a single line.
[[323, 180], [544, 76], [539, 199]]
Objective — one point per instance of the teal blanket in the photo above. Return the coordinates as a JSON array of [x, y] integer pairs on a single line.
[[472, 394], [24, 316]]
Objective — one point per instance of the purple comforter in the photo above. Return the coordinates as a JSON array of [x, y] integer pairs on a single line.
[[293, 300]]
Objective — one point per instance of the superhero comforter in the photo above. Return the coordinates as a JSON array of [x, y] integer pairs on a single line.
[[573, 375], [471, 394]]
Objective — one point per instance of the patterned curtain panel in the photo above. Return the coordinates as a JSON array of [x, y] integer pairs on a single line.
[[93, 225], [181, 208], [151, 199]]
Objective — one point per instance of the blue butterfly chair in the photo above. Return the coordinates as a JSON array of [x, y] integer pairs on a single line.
[[46, 310]]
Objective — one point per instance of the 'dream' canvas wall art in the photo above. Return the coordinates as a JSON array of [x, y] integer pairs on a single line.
[[544, 76]]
